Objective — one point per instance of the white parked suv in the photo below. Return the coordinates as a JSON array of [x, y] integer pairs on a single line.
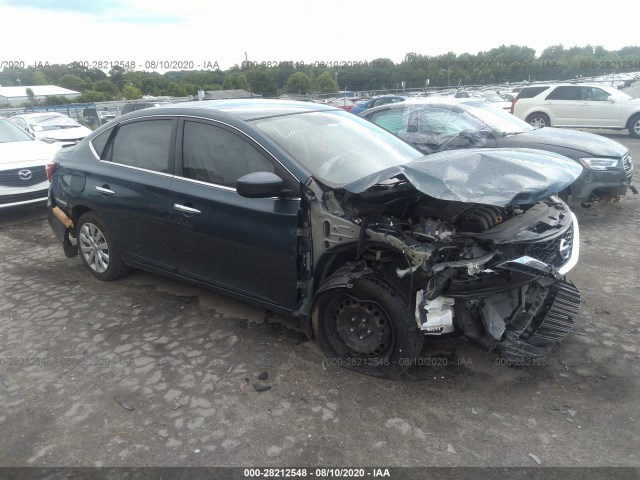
[[577, 105]]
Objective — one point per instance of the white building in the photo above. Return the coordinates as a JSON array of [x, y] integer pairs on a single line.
[[16, 96]]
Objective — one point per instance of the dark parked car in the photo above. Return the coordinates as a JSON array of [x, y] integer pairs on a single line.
[[433, 125], [314, 212], [139, 105], [377, 102]]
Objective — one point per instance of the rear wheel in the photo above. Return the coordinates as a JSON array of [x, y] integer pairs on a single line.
[[97, 249], [539, 120], [368, 328], [634, 126]]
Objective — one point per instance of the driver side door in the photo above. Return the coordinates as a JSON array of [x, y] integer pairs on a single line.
[[247, 246]]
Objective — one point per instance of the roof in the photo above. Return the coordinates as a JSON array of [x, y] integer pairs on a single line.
[[251, 109], [38, 91], [224, 94]]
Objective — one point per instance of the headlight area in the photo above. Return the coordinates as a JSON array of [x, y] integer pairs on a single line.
[[595, 163]]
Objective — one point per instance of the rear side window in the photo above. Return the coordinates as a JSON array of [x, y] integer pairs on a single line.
[[393, 120], [530, 92], [565, 93], [143, 144]]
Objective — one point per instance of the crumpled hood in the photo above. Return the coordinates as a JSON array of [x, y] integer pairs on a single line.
[[581, 142], [492, 176]]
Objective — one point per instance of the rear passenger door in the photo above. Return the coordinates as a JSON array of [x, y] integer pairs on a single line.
[[563, 103], [130, 188], [244, 245]]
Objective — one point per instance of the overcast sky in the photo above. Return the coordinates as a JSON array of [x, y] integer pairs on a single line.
[[61, 31]]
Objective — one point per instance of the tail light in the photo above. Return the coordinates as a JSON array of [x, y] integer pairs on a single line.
[[50, 167], [513, 104]]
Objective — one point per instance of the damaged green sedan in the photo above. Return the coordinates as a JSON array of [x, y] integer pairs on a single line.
[[313, 212]]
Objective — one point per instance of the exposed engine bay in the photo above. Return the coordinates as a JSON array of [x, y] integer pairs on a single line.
[[493, 274]]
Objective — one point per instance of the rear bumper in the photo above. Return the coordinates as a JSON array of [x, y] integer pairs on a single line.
[[62, 227], [57, 226]]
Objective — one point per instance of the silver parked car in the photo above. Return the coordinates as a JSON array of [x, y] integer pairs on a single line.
[[23, 179]]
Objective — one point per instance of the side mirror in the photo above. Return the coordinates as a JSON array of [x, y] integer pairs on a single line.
[[37, 128], [611, 99], [259, 185]]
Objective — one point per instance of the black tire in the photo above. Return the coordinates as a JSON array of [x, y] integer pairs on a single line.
[[97, 249], [634, 126], [374, 308], [539, 120]]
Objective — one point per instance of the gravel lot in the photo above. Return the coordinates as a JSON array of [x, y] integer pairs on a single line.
[[147, 371]]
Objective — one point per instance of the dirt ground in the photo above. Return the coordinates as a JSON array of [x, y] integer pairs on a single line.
[[147, 371]]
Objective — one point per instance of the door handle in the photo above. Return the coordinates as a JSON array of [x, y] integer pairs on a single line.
[[185, 209], [105, 190]]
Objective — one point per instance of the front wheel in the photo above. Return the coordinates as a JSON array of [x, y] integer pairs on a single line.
[[98, 250], [539, 120], [368, 328], [634, 126]]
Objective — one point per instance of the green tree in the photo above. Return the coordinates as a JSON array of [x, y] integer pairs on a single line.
[[325, 83], [90, 96], [116, 75], [73, 82], [31, 96], [131, 93], [56, 100], [262, 82], [298, 83], [107, 87], [236, 80], [179, 90], [39, 78]]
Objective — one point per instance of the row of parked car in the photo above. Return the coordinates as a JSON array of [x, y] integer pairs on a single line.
[[340, 220]]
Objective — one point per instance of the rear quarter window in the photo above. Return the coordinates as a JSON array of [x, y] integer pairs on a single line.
[[99, 142], [530, 92]]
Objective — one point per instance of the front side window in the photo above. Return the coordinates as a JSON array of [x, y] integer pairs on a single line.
[[594, 94], [143, 144], [215, 155]]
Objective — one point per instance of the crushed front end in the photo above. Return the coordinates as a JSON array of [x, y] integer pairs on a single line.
[[492, 273]]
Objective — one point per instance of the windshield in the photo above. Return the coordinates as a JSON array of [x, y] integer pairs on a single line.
[[498, 119], [51, 121], [12, 133], [337, 147]]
